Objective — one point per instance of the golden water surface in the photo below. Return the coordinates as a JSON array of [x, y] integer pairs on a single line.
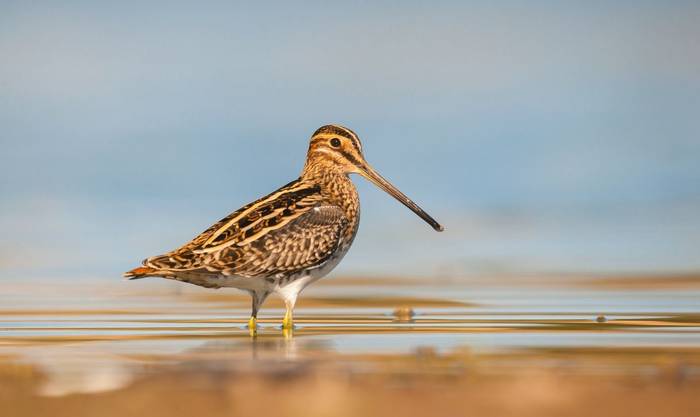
[[363, 346]]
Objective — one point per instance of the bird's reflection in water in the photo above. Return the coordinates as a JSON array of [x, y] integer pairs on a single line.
[[100, 366]]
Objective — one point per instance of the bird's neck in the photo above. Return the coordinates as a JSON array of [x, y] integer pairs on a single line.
[[336, 187], [322, 171]]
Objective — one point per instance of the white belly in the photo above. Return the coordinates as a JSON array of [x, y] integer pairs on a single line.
[[287, 286]]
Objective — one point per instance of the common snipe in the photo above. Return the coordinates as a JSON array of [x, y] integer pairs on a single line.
[[288, 239]]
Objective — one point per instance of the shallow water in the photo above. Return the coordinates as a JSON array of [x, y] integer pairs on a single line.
[[87, 337]]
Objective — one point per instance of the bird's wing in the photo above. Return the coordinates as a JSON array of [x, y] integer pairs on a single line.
[[307, 241], [242, 227]]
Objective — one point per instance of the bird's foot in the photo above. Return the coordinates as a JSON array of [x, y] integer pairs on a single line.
[[288, 322], [253, 326]]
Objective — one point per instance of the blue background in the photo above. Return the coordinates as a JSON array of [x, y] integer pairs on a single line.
[[547, 137]]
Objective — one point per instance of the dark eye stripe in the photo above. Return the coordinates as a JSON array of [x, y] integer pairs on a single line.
[[350, 158]]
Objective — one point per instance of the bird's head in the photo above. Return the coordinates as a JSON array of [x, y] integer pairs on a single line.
[[337, 149]]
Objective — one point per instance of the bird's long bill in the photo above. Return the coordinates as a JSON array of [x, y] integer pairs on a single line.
[[372, 175]]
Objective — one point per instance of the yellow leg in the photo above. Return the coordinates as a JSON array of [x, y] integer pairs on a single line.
[[288, 322], [253, 327]]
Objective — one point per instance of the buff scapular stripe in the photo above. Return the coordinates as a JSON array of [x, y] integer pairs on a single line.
[[250, 209]]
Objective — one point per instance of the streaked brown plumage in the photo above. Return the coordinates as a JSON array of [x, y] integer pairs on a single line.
[[286, 240]]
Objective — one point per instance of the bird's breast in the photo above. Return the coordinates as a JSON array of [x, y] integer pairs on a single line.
[[341, 192]]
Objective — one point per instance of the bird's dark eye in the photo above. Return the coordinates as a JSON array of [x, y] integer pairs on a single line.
[[335, 142]]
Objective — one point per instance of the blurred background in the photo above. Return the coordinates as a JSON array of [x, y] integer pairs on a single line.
[[548, 138]]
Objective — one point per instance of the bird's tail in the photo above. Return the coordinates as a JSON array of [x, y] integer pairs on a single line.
[[141, 272]]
